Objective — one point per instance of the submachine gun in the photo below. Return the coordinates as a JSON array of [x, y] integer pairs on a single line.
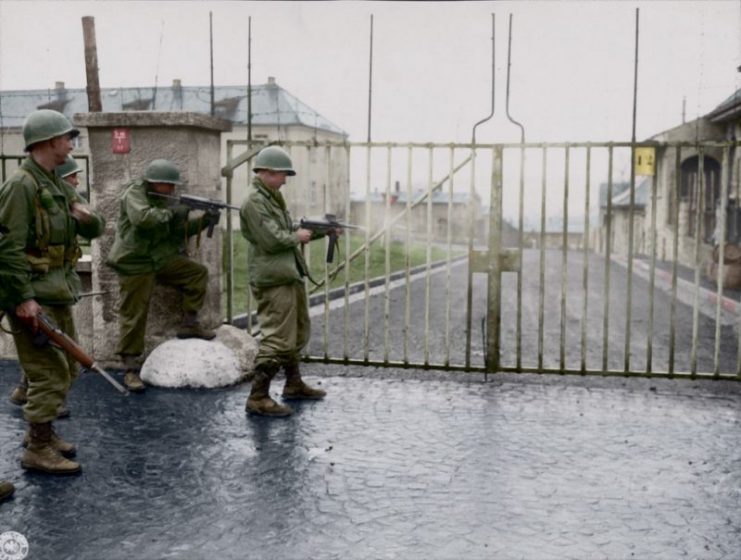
[[50, 333], [212, 208], [328, 227]]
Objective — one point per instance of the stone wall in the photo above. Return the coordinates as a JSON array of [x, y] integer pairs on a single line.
[[192, 142]]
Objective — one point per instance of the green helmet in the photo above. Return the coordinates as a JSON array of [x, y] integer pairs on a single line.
[[274, 158], [46, 124], [68, 168], [162, 171]]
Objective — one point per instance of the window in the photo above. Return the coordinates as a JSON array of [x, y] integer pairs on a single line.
[[689, 191]]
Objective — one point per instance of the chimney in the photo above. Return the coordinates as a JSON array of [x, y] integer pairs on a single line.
[[271, 81], [60, 91], [176, 84]]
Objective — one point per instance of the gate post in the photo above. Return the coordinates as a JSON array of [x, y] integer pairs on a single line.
[[494, 280]]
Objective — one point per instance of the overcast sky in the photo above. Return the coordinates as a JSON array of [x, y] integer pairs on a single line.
[[572, 62]]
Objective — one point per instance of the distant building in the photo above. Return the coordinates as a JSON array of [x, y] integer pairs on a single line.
[[454, 213], [620, 216], [682, 211], [277, 115]]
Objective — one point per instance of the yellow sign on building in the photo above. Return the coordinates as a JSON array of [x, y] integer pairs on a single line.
[[645, 161]]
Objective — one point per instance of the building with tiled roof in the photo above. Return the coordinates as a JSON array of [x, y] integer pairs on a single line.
[[277, 115]]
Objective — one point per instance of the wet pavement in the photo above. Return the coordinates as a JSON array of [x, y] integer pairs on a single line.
[[393, 464]]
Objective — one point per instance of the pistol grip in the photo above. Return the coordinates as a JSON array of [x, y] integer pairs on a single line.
[[330, 249]]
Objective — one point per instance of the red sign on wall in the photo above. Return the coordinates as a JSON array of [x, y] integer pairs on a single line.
[[120, 141]]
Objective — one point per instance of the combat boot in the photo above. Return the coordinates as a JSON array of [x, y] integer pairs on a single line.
[[259, 401], [19, 395], [66, 448], [133, 382], [40, 455], [296, 389], [6, 489], [191, 328]]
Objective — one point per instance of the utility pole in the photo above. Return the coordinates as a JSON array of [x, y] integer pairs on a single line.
[[211, 41], [91, 65]]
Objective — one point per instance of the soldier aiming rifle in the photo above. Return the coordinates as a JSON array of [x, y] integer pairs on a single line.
[[330, 227], [211, 208]]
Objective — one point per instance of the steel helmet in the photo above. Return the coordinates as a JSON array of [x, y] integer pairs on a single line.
[[274, 158], [162, 171], [68, 168], [46, 124]]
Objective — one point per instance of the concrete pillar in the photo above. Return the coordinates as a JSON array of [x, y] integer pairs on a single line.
[[121, 146]]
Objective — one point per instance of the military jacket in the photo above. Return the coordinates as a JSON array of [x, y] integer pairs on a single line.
[[273, 255], [150, 233], [38, 247]]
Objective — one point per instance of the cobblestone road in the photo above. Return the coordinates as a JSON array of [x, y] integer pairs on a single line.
[[394, 464]]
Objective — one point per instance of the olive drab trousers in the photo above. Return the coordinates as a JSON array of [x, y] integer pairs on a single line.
[[283, 315], [49, 369], [190, 277]]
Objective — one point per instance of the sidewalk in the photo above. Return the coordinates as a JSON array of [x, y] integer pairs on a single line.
[[707, 290], [393, 464]]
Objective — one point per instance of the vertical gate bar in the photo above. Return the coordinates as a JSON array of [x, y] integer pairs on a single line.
[[229, 242], [430, 183], [651, 280], [629, 287], [520, 247], [346, 307], [541, 284], [585, 271], [327, 280], [408, 259], [675, 255], [366, 287], [608, 248], [494, 292], [449, 258], [699, 189], [387, 259], [721, 255], [738, 327], [564, 259], [469, 272]]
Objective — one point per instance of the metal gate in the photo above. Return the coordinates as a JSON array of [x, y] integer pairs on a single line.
[[551, 258]]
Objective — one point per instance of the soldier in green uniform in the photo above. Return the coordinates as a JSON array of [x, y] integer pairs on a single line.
[[276, 270], [43, 216], [67, 171], [149, 249]]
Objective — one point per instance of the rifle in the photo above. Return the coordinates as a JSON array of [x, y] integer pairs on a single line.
[[209, 206], [328, 227], [50, 333]]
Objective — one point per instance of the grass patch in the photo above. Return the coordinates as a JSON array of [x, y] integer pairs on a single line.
[[398, 253]]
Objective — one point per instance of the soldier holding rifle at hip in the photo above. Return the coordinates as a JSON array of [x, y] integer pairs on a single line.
[[68, 172], [42, 216], [149, 249], [276, 270]]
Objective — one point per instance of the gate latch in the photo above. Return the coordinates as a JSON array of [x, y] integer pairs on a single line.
[[510, 260]]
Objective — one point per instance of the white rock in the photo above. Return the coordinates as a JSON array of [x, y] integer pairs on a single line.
[[192, 363], [241, 343]]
